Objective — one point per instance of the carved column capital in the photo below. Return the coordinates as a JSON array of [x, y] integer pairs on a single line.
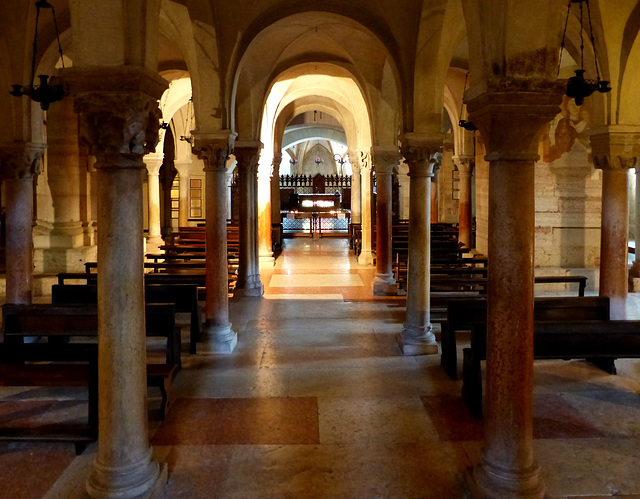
[[365, 161], [509, 112], [153, 163], [615, 147], [419, 151], [385, 159], [21, 159], [119, 127], [248, 154], [214, 149], [465, 164]]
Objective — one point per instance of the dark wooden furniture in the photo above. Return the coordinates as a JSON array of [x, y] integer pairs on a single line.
[[463, 312], [600, 342]]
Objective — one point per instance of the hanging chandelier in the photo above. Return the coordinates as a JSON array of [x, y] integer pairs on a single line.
[[45, 93], [188, 123], [578, 87], [467, 125]]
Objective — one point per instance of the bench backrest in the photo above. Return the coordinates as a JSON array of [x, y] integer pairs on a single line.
[[461, 313]]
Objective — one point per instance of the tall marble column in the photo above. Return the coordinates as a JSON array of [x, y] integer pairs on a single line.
[[120, 128], [417, 337], [635, 268], [249, 284], [19, 162], [366, 252], [356, 203], [509, 123], [214, 150], [384, 160], [465, 165], [265, 243], [276, 221], [615, 149], [153, 164], [184, 168]]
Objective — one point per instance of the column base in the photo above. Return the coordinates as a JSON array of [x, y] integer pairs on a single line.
[[144, 481], [266, 260], [418, 341], [384, 285], [253, 287], [365, 258], [219, 339], [489, 482]]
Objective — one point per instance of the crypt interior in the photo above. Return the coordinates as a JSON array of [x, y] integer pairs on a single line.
[[329, 182]]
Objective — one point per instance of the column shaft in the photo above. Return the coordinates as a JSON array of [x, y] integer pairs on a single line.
[[154, 205], [508, 452], [613, 242], [123, 462], [265, 243], [385, 159], [366, 252], [19, 249], [417, 337], [464, 210], [356, 213], [249, 283]]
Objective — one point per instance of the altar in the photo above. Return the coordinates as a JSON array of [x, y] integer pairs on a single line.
[[316, 213]]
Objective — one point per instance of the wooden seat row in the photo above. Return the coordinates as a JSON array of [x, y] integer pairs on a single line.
[[66, 354]]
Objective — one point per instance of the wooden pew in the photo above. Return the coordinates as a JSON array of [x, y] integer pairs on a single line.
[[463, 312], [600, 342], [56, 322], [183, 296]]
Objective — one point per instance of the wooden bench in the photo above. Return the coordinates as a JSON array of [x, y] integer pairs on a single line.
[[600, 342], [183, 296], [58, 323], [463, 312]]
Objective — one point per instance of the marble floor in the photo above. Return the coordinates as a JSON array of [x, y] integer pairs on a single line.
[[318, 402]]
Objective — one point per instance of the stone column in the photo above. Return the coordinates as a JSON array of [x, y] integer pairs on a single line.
[[635, 268], [276, 221], [417, 337], [465, 166], [384, 160], [214, 151], [366, 253], [154, 163], [249, 284], [615, 149], [434, 196], [509, 123], [19, 162], [356, 211], [265, 244], [183, 167], [120, 128]]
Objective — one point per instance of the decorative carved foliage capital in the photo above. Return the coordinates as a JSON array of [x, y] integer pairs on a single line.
[[465, 164], [510, 113], [248, 158], [365, 161], [214, 154], [421, 158], [118, 124], [385, 159], [21, 159], [615, 147]]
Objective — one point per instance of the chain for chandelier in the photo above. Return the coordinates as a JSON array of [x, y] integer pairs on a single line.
[[578, 87], [467, 125], [188, 123]]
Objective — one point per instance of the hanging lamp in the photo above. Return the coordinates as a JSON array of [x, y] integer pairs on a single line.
[[188, 123], [578, 87], [45, 93], [467, 125]]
